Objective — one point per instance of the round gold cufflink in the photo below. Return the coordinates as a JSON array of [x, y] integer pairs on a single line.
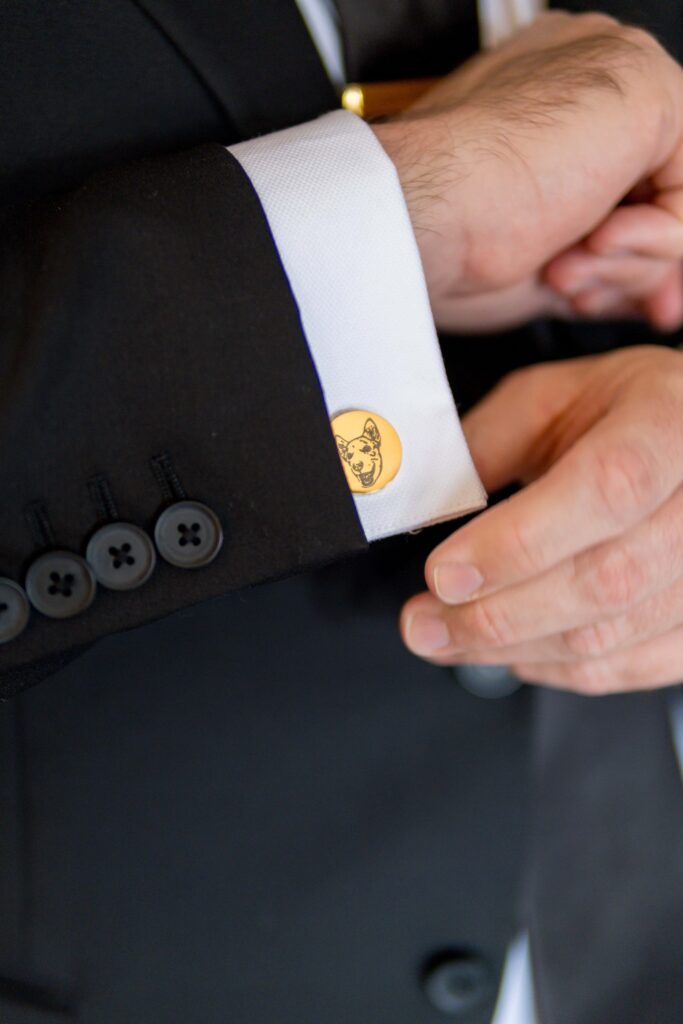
[[369, 448]]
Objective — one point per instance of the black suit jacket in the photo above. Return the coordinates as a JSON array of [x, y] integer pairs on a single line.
[[258, 807], [262, 808], [146, 310]]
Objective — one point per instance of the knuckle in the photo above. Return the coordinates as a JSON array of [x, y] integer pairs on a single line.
[[600, 25], [559, 16], [599, 20], [639, 36], [673, 385], [616, 581], [592, 641], [487, 625], [514, 379], [591, 679], [527, 553], [626, 482]]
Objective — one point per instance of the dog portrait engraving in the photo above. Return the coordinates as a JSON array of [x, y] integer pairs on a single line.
[[363, 454]]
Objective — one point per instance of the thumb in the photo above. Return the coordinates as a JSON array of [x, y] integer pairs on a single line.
[[512, 431]]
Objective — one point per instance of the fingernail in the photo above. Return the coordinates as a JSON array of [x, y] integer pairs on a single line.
[[427, 634], [454, 582]]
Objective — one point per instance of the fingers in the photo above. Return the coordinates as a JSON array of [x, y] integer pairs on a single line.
[[507, 308], [602, 302], [613, 477], [620, 286], [595, 602], [664, 308], [631, 264], [640, 249], [531, 400], [578, 270], [652, 231], [648, 621], [646, 667]]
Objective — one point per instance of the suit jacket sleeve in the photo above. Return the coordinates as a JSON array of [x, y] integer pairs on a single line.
[[150, 351]]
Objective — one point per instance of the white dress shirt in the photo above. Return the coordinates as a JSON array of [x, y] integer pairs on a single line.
[[337, 214], [339, 218]]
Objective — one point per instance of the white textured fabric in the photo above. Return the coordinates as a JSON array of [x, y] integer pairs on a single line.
[[516, 1001], [322, 22], [339, 219], [498, 19]]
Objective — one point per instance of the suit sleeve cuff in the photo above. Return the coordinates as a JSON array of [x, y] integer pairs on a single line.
[[339, 219]]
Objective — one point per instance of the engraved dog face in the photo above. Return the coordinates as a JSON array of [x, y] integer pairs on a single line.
[[363, 454]]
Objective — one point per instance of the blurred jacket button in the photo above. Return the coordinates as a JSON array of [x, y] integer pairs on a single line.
[[488, 681], [14, 610], [60, 584], [457, 983], [121, 555], [188, 535]]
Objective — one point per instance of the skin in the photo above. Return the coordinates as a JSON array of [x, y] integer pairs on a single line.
[[548, 178], [494, 163], [577, 580]]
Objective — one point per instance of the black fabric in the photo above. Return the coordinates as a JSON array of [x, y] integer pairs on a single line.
[[665, 20], [606, 879], [287, 86], [12, 836], [259, 808], [606, 869], [84, 86], [387, 39], [21, 677], [127, 331], [264, 809]]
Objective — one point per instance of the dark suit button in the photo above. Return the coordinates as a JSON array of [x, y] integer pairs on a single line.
[[60, 584], [456, 983], [188, 535], [488, 681], [121, 555], [14, 610]]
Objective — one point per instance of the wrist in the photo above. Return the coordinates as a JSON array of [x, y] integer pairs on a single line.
[[428, 181]]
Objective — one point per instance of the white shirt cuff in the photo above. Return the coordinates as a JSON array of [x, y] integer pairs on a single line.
[[339, 219]]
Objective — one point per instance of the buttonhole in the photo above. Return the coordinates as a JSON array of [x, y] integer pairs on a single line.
[[121, 556], [189, 534], [61, 584]]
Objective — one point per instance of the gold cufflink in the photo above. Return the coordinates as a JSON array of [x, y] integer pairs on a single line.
[[369, 449], [382, 99]]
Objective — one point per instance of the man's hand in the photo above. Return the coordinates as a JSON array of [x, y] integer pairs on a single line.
[[524, 154], [577, 580]]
